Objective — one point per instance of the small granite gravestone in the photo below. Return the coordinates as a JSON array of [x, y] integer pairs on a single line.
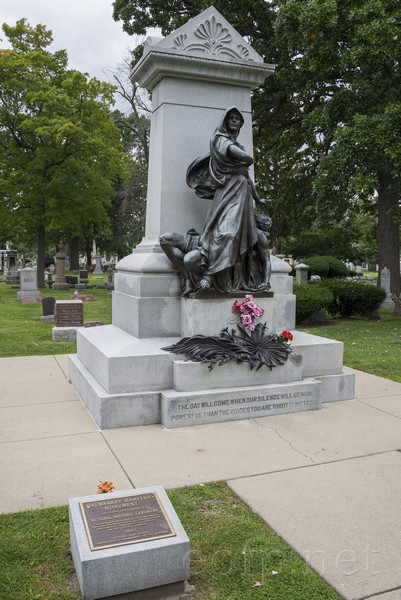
[[48, 305], [83, 276], [83, 297], [128, 541], [69, 315]]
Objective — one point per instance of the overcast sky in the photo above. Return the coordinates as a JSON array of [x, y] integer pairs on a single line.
[[85, 28]]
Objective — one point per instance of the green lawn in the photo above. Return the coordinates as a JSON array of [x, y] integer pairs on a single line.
[[232, 550], [370, 346], [23, 334]]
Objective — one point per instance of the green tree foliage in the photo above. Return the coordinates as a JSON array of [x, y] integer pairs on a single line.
[[129, 203], [335, 241], [326, 266], [328, 124], [349, 52], [61, 152], [311, 299]]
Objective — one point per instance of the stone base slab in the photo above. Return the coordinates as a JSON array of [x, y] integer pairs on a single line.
[[60, 286], [122, 363], [47, 318], [29, 294], [132, 567], [334, 388], [111, 411], [64, 334], [126, 381], [320, 356], [180, 409]]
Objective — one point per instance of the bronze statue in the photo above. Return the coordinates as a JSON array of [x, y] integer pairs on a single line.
[[232, 252]]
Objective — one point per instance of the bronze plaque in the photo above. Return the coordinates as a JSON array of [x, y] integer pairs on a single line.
[[69, 313], [125, 520]]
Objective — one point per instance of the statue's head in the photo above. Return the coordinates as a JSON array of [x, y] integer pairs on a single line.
[[233, 121]]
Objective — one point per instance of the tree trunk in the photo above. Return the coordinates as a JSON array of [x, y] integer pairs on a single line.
[[41, 256], [389, 230], [74, 254]]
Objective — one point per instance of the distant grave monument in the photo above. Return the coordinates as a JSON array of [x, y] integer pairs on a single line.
[[11, 274], [98, 266], [184, 277], [60, 282], [385, 277], [28, 293]]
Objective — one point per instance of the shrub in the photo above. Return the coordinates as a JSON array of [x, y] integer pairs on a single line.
[[353, 298], [317, 266], [326, 266], [310, 299]]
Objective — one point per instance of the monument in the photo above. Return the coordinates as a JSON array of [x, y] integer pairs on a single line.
[[11, 274], [61, 282], [183, 279]]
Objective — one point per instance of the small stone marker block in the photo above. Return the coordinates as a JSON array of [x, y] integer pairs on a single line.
[[83, 297], [69, 313], [30, 300], [149, 549]]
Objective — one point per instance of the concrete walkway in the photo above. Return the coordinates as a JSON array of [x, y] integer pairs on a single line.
[[328, 481]]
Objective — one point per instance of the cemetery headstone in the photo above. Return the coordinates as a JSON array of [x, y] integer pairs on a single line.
[[385, 277], [28, 286], [83, 297], [301, 274], [98, 267], [48, 305], [69, 315]]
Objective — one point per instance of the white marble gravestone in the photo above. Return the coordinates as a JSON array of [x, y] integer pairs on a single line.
[[120, 371], [28, 284]]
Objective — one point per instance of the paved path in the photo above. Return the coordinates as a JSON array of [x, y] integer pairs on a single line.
[[328, 481]]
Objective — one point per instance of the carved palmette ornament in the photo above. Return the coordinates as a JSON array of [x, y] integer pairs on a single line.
[[215, 40]]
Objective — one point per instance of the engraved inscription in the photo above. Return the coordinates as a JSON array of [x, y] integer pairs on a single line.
[[251, 406], [69, 313], [125, 520]]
